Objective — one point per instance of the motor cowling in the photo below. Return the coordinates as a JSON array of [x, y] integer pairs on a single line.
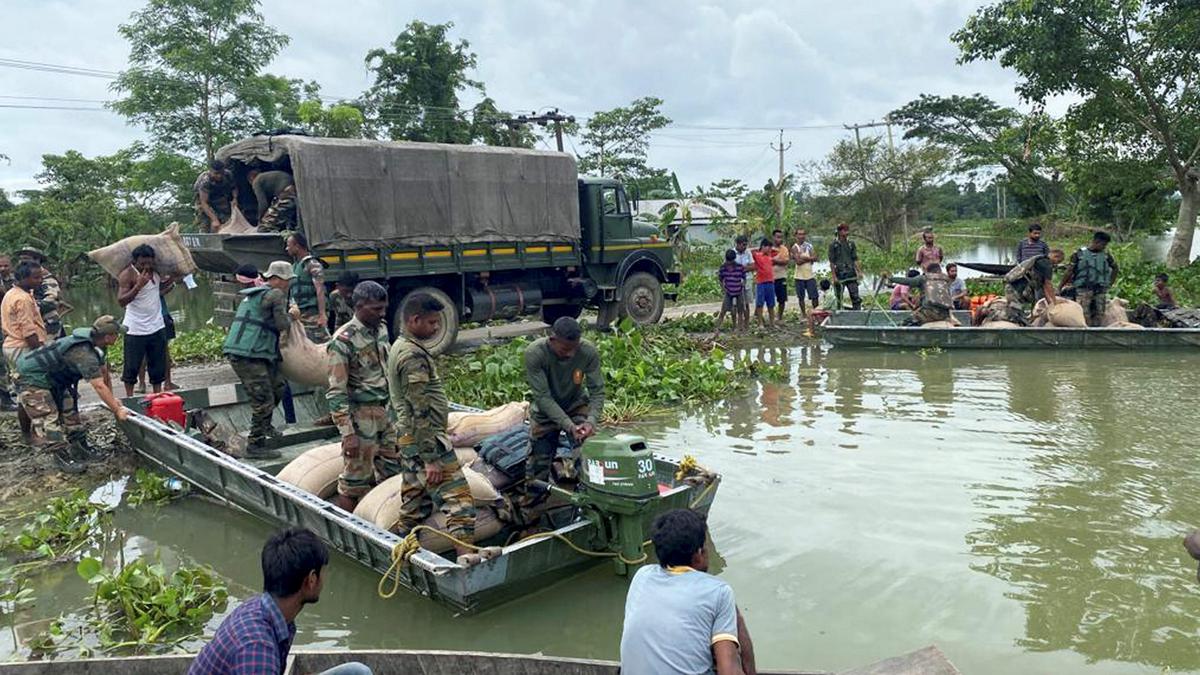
[[618, 466]]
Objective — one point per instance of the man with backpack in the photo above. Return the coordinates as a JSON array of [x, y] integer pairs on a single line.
[[1092, 271], [1027, 282]]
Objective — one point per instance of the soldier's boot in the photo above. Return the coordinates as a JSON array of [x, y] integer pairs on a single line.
[[272, 432], [257, 449], [86, 451], [6, 401], [324, 421], [67, 459]]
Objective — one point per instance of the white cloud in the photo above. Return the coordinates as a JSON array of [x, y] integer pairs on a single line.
[[734, 63]]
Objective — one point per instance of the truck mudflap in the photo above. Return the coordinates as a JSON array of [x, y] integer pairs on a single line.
[[673, 279]]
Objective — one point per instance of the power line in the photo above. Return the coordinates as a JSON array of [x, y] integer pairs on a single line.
[[55, 68], [52, 98], [50, 107]]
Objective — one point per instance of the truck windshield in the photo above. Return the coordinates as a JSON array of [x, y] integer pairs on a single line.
[[613, 201]]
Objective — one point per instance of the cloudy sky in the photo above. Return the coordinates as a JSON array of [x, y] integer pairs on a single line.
[[722, 68]]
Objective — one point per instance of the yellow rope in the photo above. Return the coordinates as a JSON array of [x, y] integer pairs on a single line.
[[687, 465]]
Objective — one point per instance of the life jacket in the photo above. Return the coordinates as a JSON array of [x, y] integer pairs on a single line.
[[937, 291], [1022, 271], [1092, 269], [252, 335], [302, 291], [50, 360]]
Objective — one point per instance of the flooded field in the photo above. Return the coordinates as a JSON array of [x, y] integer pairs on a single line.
[[1023, 511]]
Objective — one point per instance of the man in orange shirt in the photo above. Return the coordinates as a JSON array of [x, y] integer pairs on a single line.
[[24, 329]]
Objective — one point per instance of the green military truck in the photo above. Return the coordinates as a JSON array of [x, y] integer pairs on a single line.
[[494, 233]]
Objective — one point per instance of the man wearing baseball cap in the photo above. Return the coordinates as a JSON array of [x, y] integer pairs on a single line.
[[48, 388], [252, 347]]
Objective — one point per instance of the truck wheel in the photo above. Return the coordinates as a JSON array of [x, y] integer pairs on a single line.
[[552, 313], [642, 298], [444, 339]]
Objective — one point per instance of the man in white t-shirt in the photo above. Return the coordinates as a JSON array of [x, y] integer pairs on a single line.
[[139, 291], [680, 620]]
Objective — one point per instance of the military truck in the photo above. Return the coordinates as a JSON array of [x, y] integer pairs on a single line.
[[494, 233]]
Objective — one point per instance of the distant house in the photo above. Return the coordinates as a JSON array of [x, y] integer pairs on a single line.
[[702, 216]]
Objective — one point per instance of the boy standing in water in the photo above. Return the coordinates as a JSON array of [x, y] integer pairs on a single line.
[[733, 282]]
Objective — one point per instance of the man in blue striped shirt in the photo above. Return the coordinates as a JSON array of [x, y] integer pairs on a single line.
[[256, 637]]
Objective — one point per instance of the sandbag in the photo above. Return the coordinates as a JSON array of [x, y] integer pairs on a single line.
[[304, 361], [468, 429], [171, 257], [999, 323], [1116, 312], [1066, 314], [1127, 324], [237, 224], [315, 471], [482, 491], [940, 324], [382, 507], [466, 455]]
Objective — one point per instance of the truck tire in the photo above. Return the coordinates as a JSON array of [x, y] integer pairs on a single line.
[[642, 298], [552, 313], [445, 338]]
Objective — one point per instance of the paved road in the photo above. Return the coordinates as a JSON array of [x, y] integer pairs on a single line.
[[192, 377]]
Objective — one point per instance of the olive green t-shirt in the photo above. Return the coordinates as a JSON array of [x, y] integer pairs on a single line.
[[561, 385]]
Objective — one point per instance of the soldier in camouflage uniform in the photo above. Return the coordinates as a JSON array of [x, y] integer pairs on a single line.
[[252, 347], [275, 192], [307, 295], [358, 397], [48, 379], [1031, 280], [432, 475], [341, 309]]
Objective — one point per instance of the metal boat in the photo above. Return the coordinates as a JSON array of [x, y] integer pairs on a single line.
[[866, 328], [251, 485]]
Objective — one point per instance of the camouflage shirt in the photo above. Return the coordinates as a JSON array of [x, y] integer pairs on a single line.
[[356, 378], [419, 400], [340, 309]]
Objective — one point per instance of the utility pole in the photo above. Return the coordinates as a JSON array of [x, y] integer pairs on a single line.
[[541, 120], [779, 185], [862, 167]]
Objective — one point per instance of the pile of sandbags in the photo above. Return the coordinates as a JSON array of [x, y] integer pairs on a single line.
[[941, 324], [1116, 312], [171, 257], [999, 323], [382, 506], [316, 471], [304, 361], [468, 429]]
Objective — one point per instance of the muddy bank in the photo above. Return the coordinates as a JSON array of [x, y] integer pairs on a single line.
[[26, 471]]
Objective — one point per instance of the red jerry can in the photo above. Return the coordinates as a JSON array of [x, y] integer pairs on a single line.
[[165, 406]]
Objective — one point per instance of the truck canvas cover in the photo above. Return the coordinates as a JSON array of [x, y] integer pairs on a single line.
[[357, 193]]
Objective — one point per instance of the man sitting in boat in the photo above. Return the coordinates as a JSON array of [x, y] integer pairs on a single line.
[[1028, 282], [256, 636], [935, 295], [433, 477], [563, 372]]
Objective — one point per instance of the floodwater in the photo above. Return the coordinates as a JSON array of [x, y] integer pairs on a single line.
[[190, 308], [1023, 511]]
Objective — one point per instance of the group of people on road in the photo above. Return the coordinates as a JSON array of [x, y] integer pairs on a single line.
[[216, 196]]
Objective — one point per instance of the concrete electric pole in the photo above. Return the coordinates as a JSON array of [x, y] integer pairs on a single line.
[[779, 185]]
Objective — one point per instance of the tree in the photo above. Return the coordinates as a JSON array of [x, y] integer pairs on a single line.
[[193, 65], [1133, 65], [492, 126], [681, 205], [728, 188], [617, 139], [339, 120], [980, 133], [415, 96], [878, 186]]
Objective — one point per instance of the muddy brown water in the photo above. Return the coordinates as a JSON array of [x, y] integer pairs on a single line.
[[1022, 510]]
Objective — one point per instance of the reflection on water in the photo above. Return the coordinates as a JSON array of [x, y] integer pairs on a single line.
[[1021, 510]]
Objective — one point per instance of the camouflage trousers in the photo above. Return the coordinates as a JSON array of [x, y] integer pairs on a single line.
[[264, 386], [452, 497], [223, 214], [281, 215], [1017, 300], [924, 314], [1094, 302], [54, 424], [376, 459], [9, 383], [543, 446]]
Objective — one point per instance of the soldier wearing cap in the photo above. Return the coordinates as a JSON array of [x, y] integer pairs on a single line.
[[252, 347], [47, 381], [48, 294]]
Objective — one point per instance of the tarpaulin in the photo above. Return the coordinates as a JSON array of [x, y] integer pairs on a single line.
[[358, 193]]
